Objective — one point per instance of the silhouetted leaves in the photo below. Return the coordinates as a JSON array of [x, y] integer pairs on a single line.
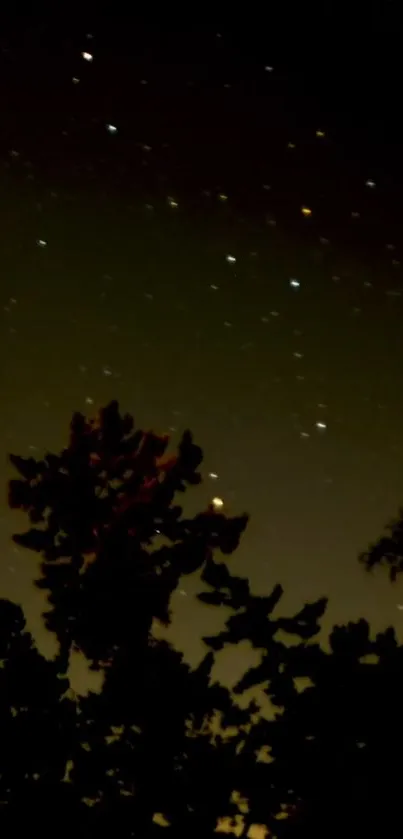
[[161, 737], [102, 503], [388, 550]]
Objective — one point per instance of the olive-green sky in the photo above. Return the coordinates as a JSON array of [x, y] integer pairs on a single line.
[[116, 284]]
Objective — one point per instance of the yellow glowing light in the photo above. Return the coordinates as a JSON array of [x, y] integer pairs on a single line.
[[306, 211], [217, 503], [87, 56], [222, 197], [320, 133]]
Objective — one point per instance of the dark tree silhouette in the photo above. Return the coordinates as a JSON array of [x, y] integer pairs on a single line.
[[336, 737], [113, 542], [113, 546], [37, 725], [161, 738], [388, 549]]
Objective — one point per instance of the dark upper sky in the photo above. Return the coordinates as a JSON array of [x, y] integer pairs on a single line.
[[155, 248]]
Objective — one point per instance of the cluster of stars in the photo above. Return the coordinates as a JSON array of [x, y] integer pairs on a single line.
[[259, 326], [222, 192]]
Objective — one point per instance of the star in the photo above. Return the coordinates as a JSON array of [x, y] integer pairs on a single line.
[[111, 129], [217, 503], [42, 243], [306, 211], [294, 283], [230, 258], [87, 56]]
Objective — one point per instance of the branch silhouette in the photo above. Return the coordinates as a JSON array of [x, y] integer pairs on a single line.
[[387, 551], [162, 746]]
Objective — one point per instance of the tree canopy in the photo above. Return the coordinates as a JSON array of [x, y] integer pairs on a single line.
[[162, 750], [387, 551]]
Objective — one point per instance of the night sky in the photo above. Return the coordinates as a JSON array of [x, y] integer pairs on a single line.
[[205, 224]]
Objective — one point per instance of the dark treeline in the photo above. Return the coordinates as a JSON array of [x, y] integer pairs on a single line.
[[161, 750]]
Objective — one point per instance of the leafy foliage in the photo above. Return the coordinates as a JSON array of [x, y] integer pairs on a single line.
[[388, 550], [161, 738], [99, 507]]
